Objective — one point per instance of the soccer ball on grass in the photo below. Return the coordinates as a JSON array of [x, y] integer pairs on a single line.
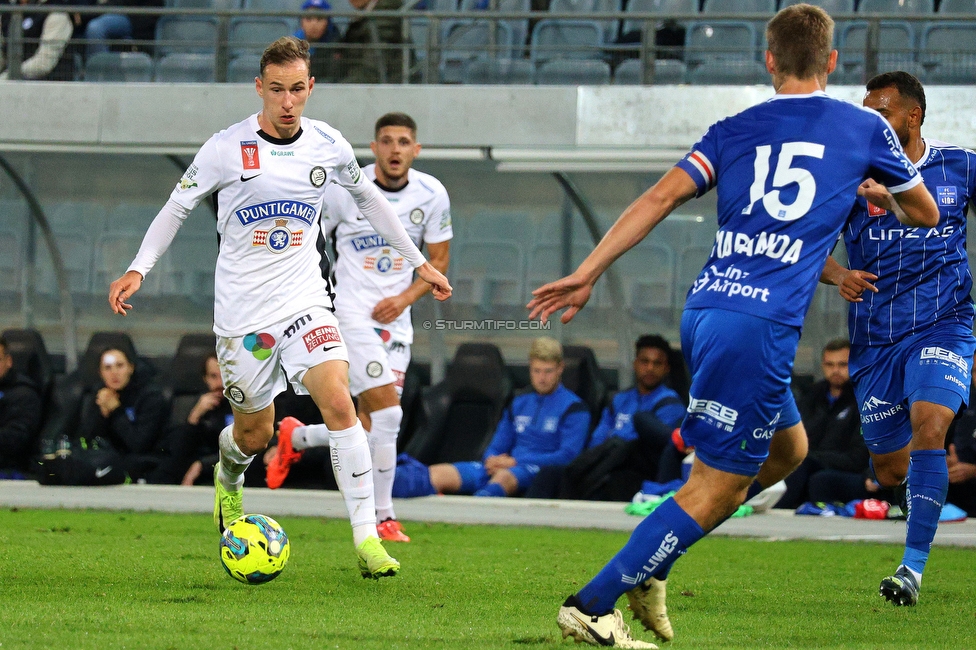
[[254, 549]]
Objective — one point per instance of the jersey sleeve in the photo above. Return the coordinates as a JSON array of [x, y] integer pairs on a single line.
[[888, 163], [201, 178], [347, 172], [438, 227], [699, 163]]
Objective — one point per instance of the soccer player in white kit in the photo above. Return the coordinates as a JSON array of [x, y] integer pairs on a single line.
[[273, 314], [375, 289]]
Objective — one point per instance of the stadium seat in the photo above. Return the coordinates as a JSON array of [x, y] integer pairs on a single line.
[[739, 7], [691, 260], [729, 73], [244, 68], [948, 53], [489, 70], [832, 7], [720, 41], [459, 414], [76, 255], [186, 34], [119, 66], [204, 4], [464, 40], [666, 71], [582, 376], [562, 72], [610, 27], [190, 272], [184, 381], [11, 267], [415, 381], [114, 252], [664, 8], [566, 39], [31, 358], [647, 274], [251, 35], [186, 68], [961, 7], [520, 28], [487, 274], [896, 46], [896, 7]]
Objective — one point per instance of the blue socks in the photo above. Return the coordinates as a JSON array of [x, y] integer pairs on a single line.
[[655, 544], [491, 490], [928, 483]]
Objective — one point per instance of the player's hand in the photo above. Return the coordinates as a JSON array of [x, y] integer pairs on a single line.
[[958, 470], [439, 285], [877, 195], [122, 289], [389, 309], [854, 283], [573, 292]]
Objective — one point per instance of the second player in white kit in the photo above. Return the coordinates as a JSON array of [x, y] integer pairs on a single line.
[[375, 288]]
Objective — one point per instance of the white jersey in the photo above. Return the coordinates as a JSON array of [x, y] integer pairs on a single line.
[[367, 268], [269, 194]]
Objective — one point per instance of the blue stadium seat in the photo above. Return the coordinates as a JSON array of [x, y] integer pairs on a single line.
[[902, 7], [562, 39], [184, 68], [610, 27], [729, 72], [647, 275], [666, 71], [566, 72], [953, 7], [487, 274], [186, 34], [247, 35], [487, 70], [739, 7], [720, 41], [520, 28], [464, 40], [948, 53], [832, 7], [119, 66], [244, 68], [896, 46], [663, 8]]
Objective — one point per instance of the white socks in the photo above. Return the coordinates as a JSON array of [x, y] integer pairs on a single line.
[[233, 461], [310, 435], [382, 448], [353, 472]]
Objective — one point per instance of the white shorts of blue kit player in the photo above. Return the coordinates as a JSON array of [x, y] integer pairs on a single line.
[[931, 366], [258, 366], [374, 362], [741, 369]]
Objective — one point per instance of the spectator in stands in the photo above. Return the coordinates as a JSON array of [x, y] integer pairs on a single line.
[[316, 27], [20, 416], [545, 426], [119, 26], [836, 466], [373, 52], [626, 447], [961, 457], [128, 414], [193, 449], [47, 55]]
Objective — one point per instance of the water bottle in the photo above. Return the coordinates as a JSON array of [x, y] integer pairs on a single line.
[[64, 446]]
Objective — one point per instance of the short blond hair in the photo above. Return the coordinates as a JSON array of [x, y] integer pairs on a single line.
[[801, 39], [546, 348]]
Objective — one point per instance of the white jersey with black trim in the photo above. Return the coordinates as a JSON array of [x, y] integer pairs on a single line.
[[367, 268], [269, 193]]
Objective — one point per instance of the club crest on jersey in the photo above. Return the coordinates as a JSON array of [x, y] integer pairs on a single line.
[[249, 154], [416, 216], [317, 176], [374, 369], [383, 263], [279, 238], [945, 195], [875, 211]]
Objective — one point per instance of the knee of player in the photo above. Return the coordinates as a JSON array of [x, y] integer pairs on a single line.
[[890, 475]]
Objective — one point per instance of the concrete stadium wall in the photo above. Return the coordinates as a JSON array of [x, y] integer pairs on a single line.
[[177, 118]]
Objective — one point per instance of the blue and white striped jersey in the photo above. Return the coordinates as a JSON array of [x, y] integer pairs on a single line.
[[786, 172], [923, 273]]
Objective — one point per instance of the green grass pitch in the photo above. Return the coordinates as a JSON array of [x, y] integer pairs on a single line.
[[91, 579]]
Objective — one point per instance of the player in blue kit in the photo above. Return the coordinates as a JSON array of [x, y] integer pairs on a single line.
[[788, 172], [912, 332]]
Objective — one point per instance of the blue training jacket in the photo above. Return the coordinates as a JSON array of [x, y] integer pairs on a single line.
[[542, 429], [618, 418]]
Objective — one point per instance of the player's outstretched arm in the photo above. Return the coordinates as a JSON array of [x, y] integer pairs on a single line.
[[572, 292], [122, 289], [439, 285], [913, 207], [852, 283]]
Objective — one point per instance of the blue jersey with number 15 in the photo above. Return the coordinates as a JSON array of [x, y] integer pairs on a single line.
[[787, 173]]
